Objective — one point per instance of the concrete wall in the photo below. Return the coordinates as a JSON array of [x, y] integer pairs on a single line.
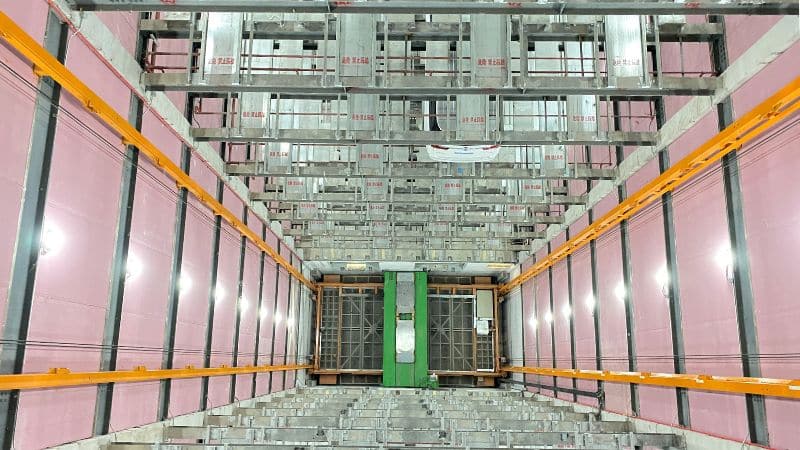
[[72, 284], [709, 326]]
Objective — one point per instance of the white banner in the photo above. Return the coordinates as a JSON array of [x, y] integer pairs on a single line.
[[463, 153]]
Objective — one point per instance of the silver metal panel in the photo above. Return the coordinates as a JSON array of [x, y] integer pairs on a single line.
[[405, 341], [489, 46], [356, 45], [222, 48], [484, 302], [370, 156], [405, 292], [624, 47]]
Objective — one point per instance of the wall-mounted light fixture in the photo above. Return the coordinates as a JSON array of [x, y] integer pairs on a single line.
[[726, 261], [662, 279], [219, 293], [566, 311], [243, 305], [133, 267], [590, 303], [621, 292], [264, 313], [533, 323], [184, 283], [51, 241], [548, 317], [278, 318]]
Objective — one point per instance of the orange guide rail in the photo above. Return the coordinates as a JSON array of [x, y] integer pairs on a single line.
[[744, 130], [64, 378], [45, 64], [737, 385]]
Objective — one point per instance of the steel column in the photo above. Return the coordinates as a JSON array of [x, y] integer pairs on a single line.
[[239, 292], [212, 294], [673, 286], [286, 319], [168, 358], [742, 283], [627, 272], [274, 325], [29, 229], [598, 348], [552, 317], [260, 304], [571, 302], [113, 320]]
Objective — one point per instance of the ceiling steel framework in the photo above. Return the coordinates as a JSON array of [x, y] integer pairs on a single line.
[[572, 7], [429, 31], [322, 192]]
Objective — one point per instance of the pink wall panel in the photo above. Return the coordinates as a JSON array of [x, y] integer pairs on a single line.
[[16, 118], [280, 329], [265, 341], [709, 319], [583, 313], [247, 329], [561, 321], [72, 283], [124, 26], [542, 299], [651, 312], [224, 313], [772, 218], [193, 306], [612, 318], [146, 295]]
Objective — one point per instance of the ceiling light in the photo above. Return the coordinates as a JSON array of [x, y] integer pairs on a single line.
[[566, 310], [533, 322], [548, 317], [243, 305], [500, 266], [590, 302], [353, 267]]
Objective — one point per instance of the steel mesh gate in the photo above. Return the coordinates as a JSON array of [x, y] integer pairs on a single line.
[[351, 330], [454, 344]]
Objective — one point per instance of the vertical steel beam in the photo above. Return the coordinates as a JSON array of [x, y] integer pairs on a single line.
[[212, 293], [627, 273], [286, 321], [259, 306], [571, 303], [598, 348], [29, 230], [742, 284], [274, 324], [237, 326], [673, 282], [525, 323], [552, 321], [168, 358], [113, 320]]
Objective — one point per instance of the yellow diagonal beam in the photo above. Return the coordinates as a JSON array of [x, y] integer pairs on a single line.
[[45, 64], [772, 387], [741, 132]]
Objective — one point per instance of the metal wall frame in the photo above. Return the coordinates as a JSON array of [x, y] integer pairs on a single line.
[[742, 284], [113, 319], [29, 230]]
